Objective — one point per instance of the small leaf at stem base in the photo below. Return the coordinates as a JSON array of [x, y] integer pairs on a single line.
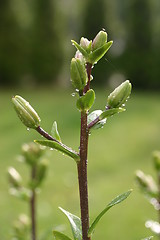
[[75, 223], [60, 236]]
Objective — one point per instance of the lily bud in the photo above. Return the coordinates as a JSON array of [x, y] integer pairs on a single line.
[[119, 96], [78, 73], [99, 40], [25, 112], [14, 178], [147, 184], [156, 160], [31, 153]]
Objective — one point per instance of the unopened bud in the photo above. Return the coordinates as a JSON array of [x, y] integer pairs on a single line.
[[99, 40], [146, 184], [14, 178], [31, 153], [78, 73], [25, 112], [86, 44], [21, 226], [41, 170], [156, 160], [119, 96]]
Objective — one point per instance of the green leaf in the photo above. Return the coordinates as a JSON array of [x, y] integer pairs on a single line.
[[96, 55], [60, 236], [60, 147], [54, 132], [75, 223], [81, 49], [115, 201], [110, 112], [85, 102]]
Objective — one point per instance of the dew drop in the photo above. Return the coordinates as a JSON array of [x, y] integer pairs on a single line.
[[77, 90], [73, 94], [123, 105], [51, 149], [28, 129]]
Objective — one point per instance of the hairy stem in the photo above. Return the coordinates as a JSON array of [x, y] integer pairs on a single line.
[[33, 208], [82, 166]]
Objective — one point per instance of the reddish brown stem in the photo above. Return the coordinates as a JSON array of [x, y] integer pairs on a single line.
[[82, 177], [82, 167]]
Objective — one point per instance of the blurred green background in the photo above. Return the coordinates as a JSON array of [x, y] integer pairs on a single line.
[[35, 40], [35, 53]]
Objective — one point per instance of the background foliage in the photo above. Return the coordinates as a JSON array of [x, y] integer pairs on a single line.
[[35, 40]]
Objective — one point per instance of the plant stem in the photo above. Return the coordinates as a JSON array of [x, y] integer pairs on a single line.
[[82, 177], [82, 166], [33, 208]]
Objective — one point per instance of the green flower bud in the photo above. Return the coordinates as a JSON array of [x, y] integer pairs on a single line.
[[25, 112], [99, 40], [14, 178], [78, 73], [86, 44], [21, 193], [41, 171], [119, 96], [21, 226], [147, 184], [31, 153], [156, 160]]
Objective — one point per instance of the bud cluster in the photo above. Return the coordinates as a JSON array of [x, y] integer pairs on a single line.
[[32, 156], [94, 50], [147, 184]]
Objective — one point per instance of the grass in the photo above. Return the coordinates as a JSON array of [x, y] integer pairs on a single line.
[[115, 153]]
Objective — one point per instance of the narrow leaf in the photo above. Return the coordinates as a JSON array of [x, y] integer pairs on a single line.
[[60, 147], [75, 223], [110, 112], [96, 55], [81, 49], [54, 132], [60, 236], [115, 201]]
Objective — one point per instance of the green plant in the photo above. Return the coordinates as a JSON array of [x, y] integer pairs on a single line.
[[151, 189], [32, 156], [87, 55]]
